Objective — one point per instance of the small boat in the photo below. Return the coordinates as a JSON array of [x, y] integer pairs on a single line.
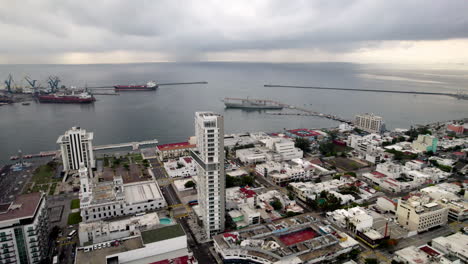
[[25, 103]]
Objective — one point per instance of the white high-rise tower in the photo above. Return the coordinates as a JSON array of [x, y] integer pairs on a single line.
[[209, 131], [85, 185], [76, 147]]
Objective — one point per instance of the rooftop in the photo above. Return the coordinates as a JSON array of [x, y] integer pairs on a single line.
[[172, 146], [301, 236], [24, 206], [98, 256], [141, 192], [304, 132], [163, 233]]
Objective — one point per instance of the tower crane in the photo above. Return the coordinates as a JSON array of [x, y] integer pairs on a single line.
[[8, 83]]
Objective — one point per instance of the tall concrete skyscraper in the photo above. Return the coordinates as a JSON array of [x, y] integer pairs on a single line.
[[77, 148], [209, 131]]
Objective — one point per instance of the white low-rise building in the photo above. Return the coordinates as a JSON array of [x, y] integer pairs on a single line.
[[386, 204], [421, 255], [355, 219], [164, 244], [183, 167], [284, 147], [251, 155], [102, 231], [309, 190], [453, 245], [282, 173]]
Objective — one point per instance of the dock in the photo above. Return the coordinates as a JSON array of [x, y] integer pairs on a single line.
[[111, 87], [458, 95], [301, 111], [54, 153]]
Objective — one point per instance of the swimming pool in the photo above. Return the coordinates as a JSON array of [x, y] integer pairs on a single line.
[[165, 221]]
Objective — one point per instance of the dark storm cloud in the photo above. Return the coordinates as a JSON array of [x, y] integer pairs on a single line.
[[191, 28]]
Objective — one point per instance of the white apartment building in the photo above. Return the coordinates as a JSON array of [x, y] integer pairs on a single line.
[[370, 123], [24, 229], [103, 200], [76, 147], [420, 213], [209, 156]]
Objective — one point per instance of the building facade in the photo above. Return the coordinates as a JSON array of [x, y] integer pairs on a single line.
[[420, 213], [76, 146], [370, 123], [24, 230], [209, 156], [104, 200], [425, 143]]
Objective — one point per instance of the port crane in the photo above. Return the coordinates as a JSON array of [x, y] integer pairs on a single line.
[[53, 83], [8, 83], [32, 83]]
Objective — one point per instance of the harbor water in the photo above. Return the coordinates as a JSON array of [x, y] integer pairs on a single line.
[[167, 113]]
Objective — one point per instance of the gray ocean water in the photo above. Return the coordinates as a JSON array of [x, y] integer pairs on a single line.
[[167, 114]]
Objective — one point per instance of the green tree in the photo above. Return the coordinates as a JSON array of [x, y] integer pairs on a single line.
[[353, 254], [302, 143], [371, 261], [189, 184], [461, 192], [277, 205]]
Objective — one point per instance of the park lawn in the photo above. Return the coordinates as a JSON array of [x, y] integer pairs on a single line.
[[52, 188], [40, 187], [44, 174], [74, 204], [74, 218]]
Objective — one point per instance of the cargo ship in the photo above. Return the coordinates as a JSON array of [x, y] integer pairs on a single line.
[[247, 103], [150, 86], [82, 98]]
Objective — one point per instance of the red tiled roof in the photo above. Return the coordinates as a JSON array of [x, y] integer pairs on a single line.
[[304, 132], [378, 174], [226, 235], [179, 145], [188, 159], [179, 260], [249, 193], [431, 252], [390, 200], [316, 161]]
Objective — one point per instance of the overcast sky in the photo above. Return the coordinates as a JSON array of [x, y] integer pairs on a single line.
[[117, 31]]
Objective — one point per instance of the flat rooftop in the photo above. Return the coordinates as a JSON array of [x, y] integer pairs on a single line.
[[24, 206], [159, 234], [98, 256], [141, 192]]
